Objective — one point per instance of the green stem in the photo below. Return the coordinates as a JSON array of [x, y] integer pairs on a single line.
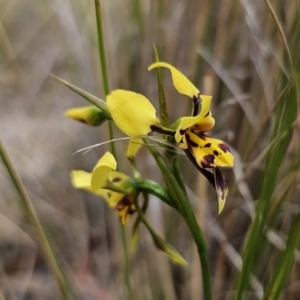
[[64, 285], [153, 188], [111, 133], [187, 212]]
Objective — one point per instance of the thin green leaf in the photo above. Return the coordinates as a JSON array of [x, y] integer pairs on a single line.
[[89, 97]]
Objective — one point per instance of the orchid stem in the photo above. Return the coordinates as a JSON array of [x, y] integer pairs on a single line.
[[111, 135], [186, 211]]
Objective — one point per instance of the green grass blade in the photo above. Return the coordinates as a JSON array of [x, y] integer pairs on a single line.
[[65, 288]]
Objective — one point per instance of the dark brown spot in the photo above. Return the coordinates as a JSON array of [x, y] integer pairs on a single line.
[[207, 161], [190, 142], [207, 145], [160, 130], [216, 152], [195, 129], [196, 105], [109, 194], [127, 200], [116, 179], [182, 131], [82, 121], [224, 147]]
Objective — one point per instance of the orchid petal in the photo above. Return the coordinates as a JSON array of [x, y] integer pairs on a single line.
[[134, 146], [180, 81], [100, 172], [133, 113], [209, 152], [221, 188]]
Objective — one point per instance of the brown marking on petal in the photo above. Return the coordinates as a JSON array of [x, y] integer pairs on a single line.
[[82, 121], [220, 182], [109, 194], [224, 147], [207, 145], [197, 101], [190, 142], [196, 129], [127, 200], [116, 179], [207, 161], [206, 115], [216, 152], [182, 131]]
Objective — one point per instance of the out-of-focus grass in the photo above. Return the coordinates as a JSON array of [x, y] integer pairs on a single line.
[[232, 50]]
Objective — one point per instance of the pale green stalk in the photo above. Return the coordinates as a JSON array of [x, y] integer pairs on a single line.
[[111, 133], [65, 288]]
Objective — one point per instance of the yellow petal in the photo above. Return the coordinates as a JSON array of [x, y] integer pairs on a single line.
[[209, 152], [117, 177], [181, 83], [125, 209], [124, 215], [90, 115], [203, 120], [111, 197], [205, 105], [100, 172], [134, 146], [133, 113], [81, 180]]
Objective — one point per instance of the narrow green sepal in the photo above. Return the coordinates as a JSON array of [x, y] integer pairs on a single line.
[[158, 240], [101, 104], [90, 115], [168, 249]]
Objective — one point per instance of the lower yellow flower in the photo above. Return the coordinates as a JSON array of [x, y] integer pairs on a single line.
[[97, 181]]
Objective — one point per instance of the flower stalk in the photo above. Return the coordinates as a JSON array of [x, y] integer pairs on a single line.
[[111, 135]]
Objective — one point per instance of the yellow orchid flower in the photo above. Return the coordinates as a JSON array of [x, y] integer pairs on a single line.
[[204, 151], [135, 116], [96, 182]]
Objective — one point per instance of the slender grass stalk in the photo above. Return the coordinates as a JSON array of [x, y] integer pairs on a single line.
[[65, 288], [187, 212], [111, 134]]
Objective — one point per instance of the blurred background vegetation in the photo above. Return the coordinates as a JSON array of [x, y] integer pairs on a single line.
[[236, 51]]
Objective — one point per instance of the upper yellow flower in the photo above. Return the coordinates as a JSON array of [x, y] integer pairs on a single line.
[[96, 182]]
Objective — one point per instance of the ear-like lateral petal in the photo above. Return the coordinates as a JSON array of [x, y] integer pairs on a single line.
[[180, 81], [209, 152], [81, 180], [221, 188], [100, 172], [133, 113], [205, 105], [199, 123]]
